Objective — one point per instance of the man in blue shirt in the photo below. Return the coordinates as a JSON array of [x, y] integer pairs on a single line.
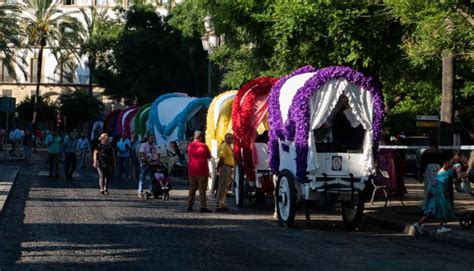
[[69, 148], [53, 142], [123, 154]]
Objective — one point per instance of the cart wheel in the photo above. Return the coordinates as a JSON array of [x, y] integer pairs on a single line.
[[466, 220], [239, 186], [286, 198], [352, 213]]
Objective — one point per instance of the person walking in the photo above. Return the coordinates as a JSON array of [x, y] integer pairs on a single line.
[[28, 143], [431, 161], [198, 171], [123, 156], [437, 203], [148, 157], [53, 142], [104, 161], [70, 159], [83, 148], [224, 166]]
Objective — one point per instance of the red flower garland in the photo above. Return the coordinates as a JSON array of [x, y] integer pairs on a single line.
[[241, 121], [127, 130]]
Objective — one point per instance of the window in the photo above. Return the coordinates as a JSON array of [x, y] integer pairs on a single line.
[[4, 74], [68, 2], [33, 69], [6, 92], [101, 2]]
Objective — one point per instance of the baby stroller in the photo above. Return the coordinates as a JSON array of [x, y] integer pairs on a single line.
[[467, 218], [161, 183]]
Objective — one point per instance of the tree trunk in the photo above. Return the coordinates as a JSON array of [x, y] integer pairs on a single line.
[[38, 82], [91, 73], [447, 102]]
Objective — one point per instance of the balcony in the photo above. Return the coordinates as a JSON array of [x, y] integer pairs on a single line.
[[53, 80]]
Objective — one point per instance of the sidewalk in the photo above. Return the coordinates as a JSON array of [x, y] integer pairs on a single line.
[[8, 177], [401, 218]]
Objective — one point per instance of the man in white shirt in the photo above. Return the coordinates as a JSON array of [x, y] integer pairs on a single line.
[[83, 147]]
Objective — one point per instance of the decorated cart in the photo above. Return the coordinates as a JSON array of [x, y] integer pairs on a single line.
[[140, 121], [96, 128], [110, 122], [174, 117], [324, 126], [249, 123], [219, 122], [126, 119]]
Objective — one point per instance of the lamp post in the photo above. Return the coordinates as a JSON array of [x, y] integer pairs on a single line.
[[209, 42]]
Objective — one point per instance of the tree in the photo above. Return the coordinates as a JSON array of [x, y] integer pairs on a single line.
[[78, 107], [45, 24], [151, 58], [438, 34], [46, 111], [100, 34], [10, 38]]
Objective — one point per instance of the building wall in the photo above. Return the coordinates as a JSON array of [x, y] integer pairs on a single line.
[[53, 81]]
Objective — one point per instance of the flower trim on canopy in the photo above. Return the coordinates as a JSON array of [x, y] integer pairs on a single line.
[[183, 116], [111, 121], [127, 130], [121, 128], [241, 121], [141, 119], [275, 120], [212, 129], [299, 112], [154, 120]]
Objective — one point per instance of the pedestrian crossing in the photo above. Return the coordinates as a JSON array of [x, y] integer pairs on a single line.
[[45, 173]]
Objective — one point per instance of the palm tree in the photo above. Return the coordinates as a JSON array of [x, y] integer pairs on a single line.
[[10, 38], [44, 24], [93, 19]]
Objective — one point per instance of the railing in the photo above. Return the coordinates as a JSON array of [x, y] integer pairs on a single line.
[[77, 80]]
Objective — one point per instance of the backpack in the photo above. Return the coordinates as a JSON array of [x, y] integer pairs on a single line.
[[105, 155]]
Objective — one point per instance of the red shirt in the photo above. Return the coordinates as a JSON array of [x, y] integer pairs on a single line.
[[198, 154]]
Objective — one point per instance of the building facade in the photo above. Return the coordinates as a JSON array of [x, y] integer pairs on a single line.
[[57, 77]]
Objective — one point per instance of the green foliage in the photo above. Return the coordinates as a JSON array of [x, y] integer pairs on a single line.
[[151, 58], [78, 107], [46, 109], [10, 38]]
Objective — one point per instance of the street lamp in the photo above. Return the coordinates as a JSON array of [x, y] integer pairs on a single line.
[[209, 42]]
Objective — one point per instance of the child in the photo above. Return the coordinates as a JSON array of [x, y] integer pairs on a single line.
[[437, 203]]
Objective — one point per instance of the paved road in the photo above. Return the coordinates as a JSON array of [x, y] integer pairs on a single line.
[[67, 225]]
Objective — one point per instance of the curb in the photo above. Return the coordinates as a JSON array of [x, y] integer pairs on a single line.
[[454, 238], [12, 180]]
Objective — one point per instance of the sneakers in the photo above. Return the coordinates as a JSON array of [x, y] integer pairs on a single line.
[[418, 227], [443, 230], [190, 209], [106, 192], [205, 210], [140, 195], [222, 209]]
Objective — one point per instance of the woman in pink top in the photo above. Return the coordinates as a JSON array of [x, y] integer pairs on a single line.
[[198, 171]]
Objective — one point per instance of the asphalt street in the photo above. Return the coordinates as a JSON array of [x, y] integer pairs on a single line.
[[55, 224]]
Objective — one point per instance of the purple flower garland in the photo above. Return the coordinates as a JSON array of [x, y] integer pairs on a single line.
[[274, 117], [297, 124]]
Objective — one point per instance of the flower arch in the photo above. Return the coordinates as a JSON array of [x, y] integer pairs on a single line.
[[242, 114], [297, 124]]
